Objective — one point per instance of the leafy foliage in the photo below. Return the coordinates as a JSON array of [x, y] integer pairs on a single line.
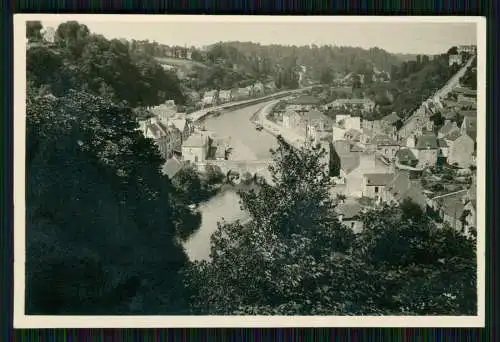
[[81, 60], [103, 223], [295, 258]]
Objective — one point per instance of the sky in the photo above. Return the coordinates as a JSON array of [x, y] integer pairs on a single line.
[[427, 37]]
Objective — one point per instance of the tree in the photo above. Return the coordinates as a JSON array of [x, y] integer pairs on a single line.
[[95, 184], [34, 31], [326, 76], [304, 262], [335, 164], [285, 245]]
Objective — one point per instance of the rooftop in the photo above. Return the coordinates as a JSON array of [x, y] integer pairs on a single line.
[[391, 119], [171, 167], [382, 139], [349, 210], [405, 155], [377, 179], [427, 141], [195, 140]]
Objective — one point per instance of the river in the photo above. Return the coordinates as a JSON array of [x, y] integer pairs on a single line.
[[248, 144]]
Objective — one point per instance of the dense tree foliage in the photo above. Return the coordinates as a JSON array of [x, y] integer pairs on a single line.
[[411, 83], [469, 79], [82, 60], [295, 258], [103, 223]]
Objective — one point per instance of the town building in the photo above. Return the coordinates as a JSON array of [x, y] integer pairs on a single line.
[[469, 127], [365, 105], [461, 151], [427, 149], [172, 167], [374, 184], [224, 96], [350, 215], [469, 49], [167, 137], [447, 128], [195, 148], [210, 98], [306, 102], [390, 124], [384, 145], [374, 126], [449, 208], [401, 188], [406, 157]]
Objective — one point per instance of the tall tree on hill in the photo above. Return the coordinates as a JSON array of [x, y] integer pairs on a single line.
[[34, 30]]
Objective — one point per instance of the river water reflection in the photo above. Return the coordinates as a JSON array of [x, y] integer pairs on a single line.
[[224, 205]]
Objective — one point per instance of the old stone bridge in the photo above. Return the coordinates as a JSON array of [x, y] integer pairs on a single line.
[[253, 167]]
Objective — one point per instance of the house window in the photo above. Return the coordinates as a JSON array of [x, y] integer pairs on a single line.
[[195, 159], [376, 189]]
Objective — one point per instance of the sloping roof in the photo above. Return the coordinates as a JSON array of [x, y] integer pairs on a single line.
[[466, 113], [470, 124], [427, 141], [375, 179], [402, 188], [391, 119], [180, 124], [349, 210], [349, 162], [171, 167], [442, 143], [195, 140], [382, 139], [356, 148], [451, 204], [448, 127], [314, 115], [405, 155]]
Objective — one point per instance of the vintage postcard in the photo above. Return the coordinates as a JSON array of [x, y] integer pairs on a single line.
[[247, 171]]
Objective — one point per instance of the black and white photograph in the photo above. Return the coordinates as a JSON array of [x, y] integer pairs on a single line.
[[211, 171]]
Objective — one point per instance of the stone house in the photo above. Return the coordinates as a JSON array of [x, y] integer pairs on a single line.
[[385, 145], [167, 137], [443, 148], [406, 157], [195, 148], [365, 105], [427, 149], [374, 184], [390, 124]]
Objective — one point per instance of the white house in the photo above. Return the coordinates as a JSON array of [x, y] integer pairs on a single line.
[[195, 148]]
